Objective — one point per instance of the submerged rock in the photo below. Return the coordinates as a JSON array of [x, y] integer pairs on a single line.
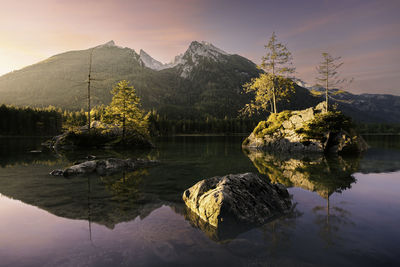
[[57, 172], [309, 130], [102, 167], [236, 199]]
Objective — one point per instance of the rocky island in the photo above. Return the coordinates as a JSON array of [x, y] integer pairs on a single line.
[[309, 130], [101, 135]]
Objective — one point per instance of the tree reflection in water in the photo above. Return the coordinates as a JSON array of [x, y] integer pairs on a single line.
[[316, 173], [123, 189], [278, 232]]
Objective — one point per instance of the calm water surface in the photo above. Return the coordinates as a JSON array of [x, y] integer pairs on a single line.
[[346, 210]]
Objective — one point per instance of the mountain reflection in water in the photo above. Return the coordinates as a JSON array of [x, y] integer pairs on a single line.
[[344, 208]]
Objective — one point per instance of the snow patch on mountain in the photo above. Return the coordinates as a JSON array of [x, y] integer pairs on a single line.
[[185, 62]]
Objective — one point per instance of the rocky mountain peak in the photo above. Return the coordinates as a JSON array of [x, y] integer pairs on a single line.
[[203, 49], [195, 53], [108, 44], [150, 62]]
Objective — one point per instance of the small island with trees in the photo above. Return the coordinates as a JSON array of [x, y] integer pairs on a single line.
[[320, 129], [121, 124]]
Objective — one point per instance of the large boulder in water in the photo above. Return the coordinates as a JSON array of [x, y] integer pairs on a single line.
[[237, 198], [309, 130]]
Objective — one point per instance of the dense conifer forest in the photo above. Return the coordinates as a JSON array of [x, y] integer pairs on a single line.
[[27, 121]]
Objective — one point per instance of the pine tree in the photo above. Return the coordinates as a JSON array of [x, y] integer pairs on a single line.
[[275, 83], [124, 109], [328, 75]]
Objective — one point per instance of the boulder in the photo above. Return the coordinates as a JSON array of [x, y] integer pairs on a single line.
[[82, 168], [103, 167], [236, 199], [303, 131]]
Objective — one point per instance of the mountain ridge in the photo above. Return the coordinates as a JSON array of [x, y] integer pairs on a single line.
[[204, 81]]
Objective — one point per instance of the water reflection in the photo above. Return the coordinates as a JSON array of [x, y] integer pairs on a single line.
[[326, 228], [278, 233], [106, 200], [109, 200], [315, 173], [18, 151], [330, 220]]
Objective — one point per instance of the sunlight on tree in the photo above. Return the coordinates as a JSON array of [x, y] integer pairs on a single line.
[[124, 109], [275, 84]]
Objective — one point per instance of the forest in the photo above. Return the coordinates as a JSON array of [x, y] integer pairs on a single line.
[[25, 121]]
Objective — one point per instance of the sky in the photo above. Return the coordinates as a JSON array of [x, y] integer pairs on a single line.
[[365, 33]]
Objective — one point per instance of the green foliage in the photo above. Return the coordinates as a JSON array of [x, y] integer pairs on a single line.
[[275, 84], [262, 87], [124, 109], [331, 121], [273, 123]]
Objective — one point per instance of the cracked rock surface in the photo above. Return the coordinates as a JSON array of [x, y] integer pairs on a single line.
[[237, 198]]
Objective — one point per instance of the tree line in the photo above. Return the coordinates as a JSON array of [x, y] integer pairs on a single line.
[[50, 121], [161, 125], [25, 121]]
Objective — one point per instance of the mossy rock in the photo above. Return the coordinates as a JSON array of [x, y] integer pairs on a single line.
[[273, 123], [309, 130]]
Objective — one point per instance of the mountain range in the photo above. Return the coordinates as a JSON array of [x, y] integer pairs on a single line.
[[204, 81]]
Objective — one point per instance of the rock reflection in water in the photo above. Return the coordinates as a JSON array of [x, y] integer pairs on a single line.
[[316, 173], [276, 228], [218, 234]]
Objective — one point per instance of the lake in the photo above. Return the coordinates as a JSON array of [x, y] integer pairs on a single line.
[[346, 209]]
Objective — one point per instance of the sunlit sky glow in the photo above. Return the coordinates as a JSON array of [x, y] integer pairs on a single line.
[[366, 33]]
